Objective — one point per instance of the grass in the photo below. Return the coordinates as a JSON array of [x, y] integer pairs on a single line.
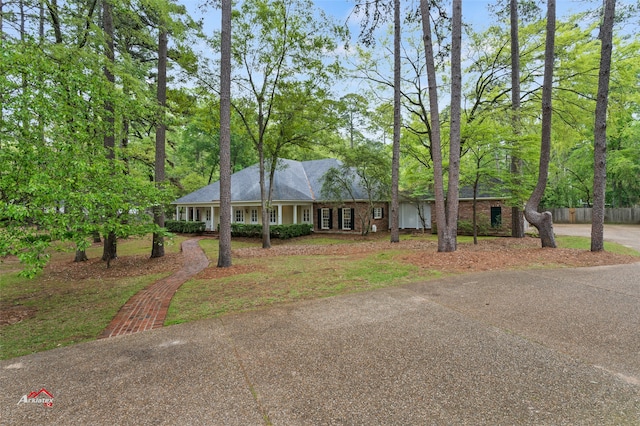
[[584, 243], [286, 279], [65, 312]]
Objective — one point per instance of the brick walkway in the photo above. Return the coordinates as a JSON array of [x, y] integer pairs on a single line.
[[147, 309]]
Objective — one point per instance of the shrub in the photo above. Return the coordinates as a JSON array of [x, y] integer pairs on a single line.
[[282, 232], [184, 227], [285, 232], [465, 227], [243, 230]]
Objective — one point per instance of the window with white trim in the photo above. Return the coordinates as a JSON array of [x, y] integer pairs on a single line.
[[306, 215], [254, 215], [273, 216], [346, 219], [326, 218], [377, 212], [239, 216]]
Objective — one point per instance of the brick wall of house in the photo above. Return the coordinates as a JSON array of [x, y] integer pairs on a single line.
[[359, 208], [483, 208]]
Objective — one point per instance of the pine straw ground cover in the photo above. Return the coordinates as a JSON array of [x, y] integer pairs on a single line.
[[321, 266]]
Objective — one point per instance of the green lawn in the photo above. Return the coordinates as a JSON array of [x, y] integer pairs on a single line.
[[289, 278], [584, 243]]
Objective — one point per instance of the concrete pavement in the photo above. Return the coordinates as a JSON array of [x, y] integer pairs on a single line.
[[541, 347], [628, 235]]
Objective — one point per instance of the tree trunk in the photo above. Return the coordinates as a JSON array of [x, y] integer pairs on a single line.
[[81, 256], [224, 242], [266, 234], [110, 250], [269, 197], [395, 162], [110, 242], [454, 134], [475, 210], [434, 114], [157, 248], [107, 22], [600, 129], [544, 221], [517, 218]]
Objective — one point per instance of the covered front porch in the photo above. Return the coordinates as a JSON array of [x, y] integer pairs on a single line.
[[281, 213]]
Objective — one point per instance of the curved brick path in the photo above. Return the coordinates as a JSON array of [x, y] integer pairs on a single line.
[[147, 309]]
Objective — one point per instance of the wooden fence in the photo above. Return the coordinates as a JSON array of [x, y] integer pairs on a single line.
[[629, 215]]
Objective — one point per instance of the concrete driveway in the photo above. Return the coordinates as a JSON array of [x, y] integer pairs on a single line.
[[628, 235], [540, 347]]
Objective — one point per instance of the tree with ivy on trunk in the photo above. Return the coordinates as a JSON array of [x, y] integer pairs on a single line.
[[157, 247], [110, 247]]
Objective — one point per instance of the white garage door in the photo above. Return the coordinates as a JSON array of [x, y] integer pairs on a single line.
[[410, 215]]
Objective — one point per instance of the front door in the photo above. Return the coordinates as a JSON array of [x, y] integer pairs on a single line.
[[208, 220]]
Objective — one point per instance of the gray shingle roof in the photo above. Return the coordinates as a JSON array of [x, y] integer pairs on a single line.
[[293, 181]]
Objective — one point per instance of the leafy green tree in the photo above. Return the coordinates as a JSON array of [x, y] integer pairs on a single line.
[[56, 180], [194, 155], [572, 167], [62, 109], [354, 107], [281, 52], [367, 166], [484, 164], [375, 13]]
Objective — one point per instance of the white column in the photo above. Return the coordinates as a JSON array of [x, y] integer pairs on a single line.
[[177, 212], [186, 213], [279, 214], [213, 220], [295, 214]]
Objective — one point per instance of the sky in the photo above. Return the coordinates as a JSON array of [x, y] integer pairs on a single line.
[[473, 11]]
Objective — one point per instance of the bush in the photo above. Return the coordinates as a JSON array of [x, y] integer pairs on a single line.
[[184, 227], [242, 230], [465, 227], [285, 232], [282, 232]]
